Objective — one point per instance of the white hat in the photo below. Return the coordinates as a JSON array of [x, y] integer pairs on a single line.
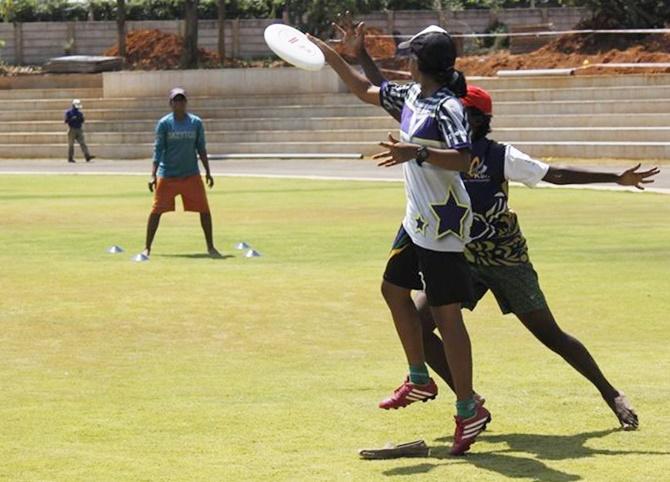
[[76, 103], [431, 29]]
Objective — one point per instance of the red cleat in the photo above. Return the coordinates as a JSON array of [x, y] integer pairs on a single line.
[[408, 393], [467, 430]]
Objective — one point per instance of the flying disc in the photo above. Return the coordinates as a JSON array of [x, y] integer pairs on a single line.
[[294, 47]]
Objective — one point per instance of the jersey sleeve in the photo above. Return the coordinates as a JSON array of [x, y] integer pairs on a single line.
[[452, 124], [392, 96], [200, 143], [160, 142], [520, 167]]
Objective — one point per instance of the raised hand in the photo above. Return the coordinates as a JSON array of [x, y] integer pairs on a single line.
[[352, 33], [632, 177]]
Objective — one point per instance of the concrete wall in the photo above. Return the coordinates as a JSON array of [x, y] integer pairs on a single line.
[[52, 81], [35, 43], [469, 21], [221, 82]]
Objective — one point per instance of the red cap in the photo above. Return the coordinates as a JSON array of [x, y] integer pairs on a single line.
[[479, 99]]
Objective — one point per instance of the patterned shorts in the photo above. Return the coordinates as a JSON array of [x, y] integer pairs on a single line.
[[516, 288]]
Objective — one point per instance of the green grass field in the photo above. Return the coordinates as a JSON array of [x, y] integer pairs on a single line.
[[187, 368]]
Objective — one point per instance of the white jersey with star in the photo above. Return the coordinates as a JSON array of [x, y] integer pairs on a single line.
[[438, 215]]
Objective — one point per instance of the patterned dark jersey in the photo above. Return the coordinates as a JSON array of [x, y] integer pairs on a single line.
[[496, 237]]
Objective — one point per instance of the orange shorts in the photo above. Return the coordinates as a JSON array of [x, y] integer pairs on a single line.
[[191, 189]]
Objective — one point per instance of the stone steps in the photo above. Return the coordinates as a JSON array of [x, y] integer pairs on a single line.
[[590, 117], [570, 82], [548, 108], [46, 94], [595, 134], [55, 99], [382, 121]]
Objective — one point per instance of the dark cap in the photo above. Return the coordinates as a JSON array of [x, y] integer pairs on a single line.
[[436, 51], [430, 29], [177, 91]]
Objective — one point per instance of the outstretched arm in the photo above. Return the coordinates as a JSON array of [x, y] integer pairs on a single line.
[[630, 177], [398, 152], [359, 85], [353, 37]]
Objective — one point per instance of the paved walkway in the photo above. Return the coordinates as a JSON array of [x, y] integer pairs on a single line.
[[303, 168]]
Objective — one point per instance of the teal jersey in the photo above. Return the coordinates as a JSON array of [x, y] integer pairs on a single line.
[[177, 145]]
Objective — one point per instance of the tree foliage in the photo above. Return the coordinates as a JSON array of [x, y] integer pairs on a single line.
[[315, 15]]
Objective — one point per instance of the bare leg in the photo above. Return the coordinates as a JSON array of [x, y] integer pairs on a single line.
[[206, 223], [406, 320], [542, 324], [457, 348], [152, 227], [432, 344]]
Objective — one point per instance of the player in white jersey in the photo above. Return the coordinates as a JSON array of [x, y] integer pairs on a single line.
[[427, 254]]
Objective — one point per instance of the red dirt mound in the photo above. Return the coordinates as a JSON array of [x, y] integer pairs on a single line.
[[156, 50], [571, 51], [376, 43]]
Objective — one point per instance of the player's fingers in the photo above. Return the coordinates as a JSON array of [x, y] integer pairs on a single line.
[[651, 172], [385, 161], [381, 154], [392, 139], [633, 169], [339, 29], [388, 145], [647, 181]]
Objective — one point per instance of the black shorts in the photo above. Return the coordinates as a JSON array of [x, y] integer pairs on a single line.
[[444, 276]]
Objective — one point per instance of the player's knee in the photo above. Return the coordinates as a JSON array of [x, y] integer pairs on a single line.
[[554, 339]]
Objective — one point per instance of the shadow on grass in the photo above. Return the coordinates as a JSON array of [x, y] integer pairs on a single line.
[[509, 466], [197, 256], [539, 447]]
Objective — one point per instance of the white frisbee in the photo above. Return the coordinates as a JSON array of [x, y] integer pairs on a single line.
[[294, 47]]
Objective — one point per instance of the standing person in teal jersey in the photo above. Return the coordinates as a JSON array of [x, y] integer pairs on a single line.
[[180, 138]]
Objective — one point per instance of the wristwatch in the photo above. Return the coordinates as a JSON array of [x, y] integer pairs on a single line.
[[421, 155]]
